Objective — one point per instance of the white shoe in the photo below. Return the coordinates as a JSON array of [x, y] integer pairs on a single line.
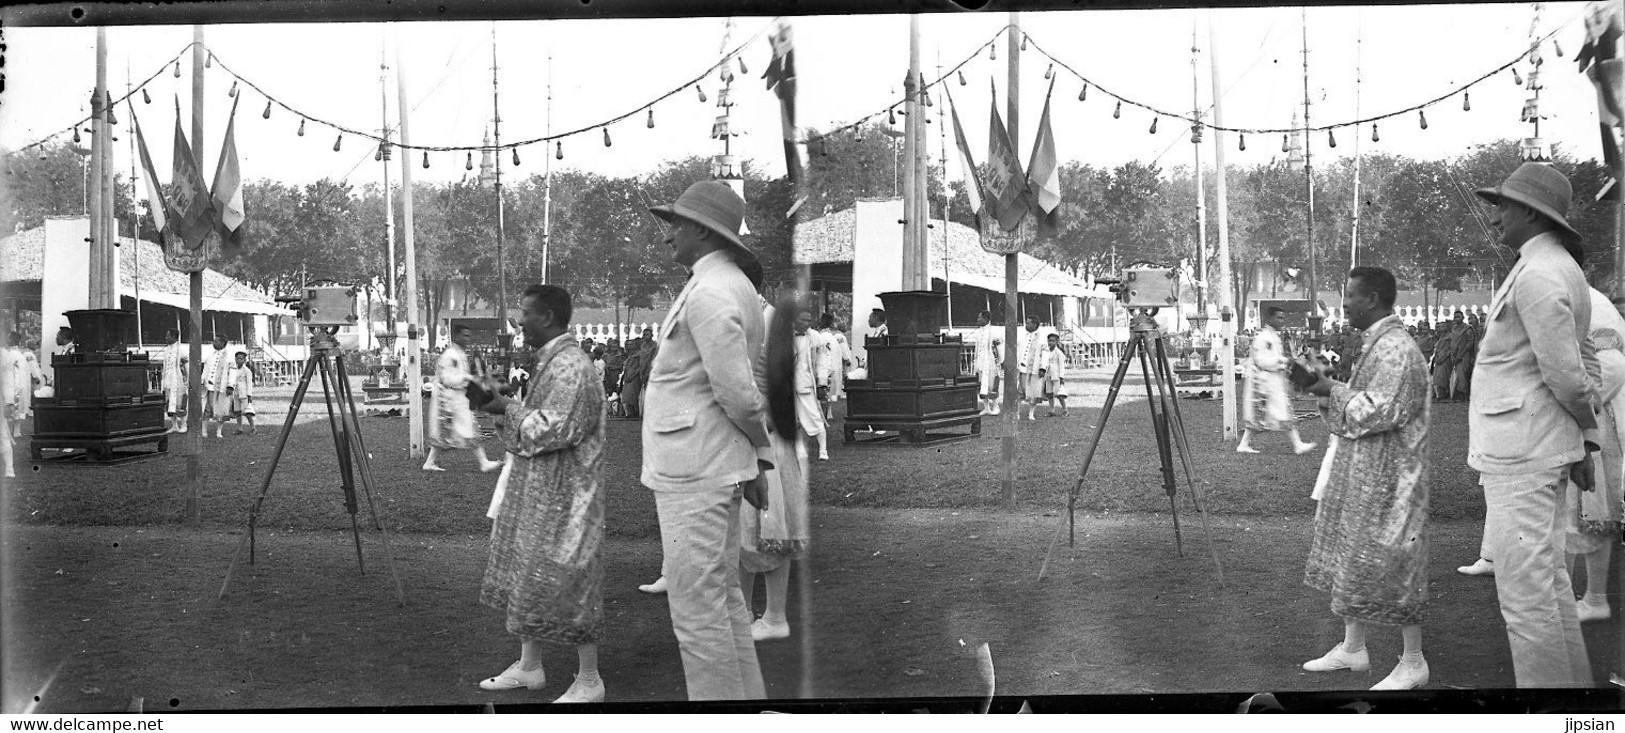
[[823, 455], [656, 588], [761, 630], [1406, 676], [579, 692], [1481, 567], [514, 678], [1593, 611], [1303, 448], [1336, 659], [432, 467], [490, 466], [1244, 448]]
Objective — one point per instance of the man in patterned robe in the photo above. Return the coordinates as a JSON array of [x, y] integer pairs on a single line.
[[1370, 549], [546, 567]]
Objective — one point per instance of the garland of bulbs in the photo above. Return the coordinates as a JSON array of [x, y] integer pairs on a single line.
[[647, 109], [891, 111]]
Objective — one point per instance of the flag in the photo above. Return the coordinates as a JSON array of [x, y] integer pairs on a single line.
[[155, 191], [1043, 173], [781, 79], [191, 215], [228, 189], [973, 183], [1007, 192]]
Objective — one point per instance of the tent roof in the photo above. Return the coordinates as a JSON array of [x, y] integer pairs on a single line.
[[828, 239], [22, 259]]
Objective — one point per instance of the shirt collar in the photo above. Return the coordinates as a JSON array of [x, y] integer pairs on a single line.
[[1547, 240], [1377, 328], [711, 261]]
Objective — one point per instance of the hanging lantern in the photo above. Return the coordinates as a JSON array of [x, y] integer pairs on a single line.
[[1084, 92], [891, 117], [927, 101], [337, 142], [1023, 41], [1118, 113], [742, 69], [962, 78], [607, 142], [1516, 77], [1196, 133], [1557, 48], [560, 154], [516, 157], [651, 118], [701, 90], [1422, 115], [468, 166], [301, 127], [1049, 72], [111, 120], [1534, 80], [232, 92], [1154, 121], [1284, 145], [177, 69], [1374, 136], [145, 98], [266, 115], [425, 159], [1466, 102], [1331, 141], [1243, 144], [208, 60], [379, 154], [76, 134], [993, 51]]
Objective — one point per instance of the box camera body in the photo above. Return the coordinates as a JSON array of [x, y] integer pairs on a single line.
[[1149, 287], [328, 305]]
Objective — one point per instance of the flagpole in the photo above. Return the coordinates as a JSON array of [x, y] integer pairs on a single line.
[[947, 199], [1227, 310], [1012, 304], [194, 374], [135, 212], [496, 131], [1201, 198], [389, 204], [547, 184], [95, 191], [414, 347], [915, 273]]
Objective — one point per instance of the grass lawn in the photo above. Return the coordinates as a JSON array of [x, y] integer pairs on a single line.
[[913, 567]]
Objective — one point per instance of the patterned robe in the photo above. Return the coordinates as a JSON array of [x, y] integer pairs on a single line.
[[1265, 395], [453, 426], [1370, 549], [546, 567]]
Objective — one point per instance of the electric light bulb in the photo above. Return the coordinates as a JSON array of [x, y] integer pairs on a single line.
[[1154, 121], [1517, 78], [1284, 146], [266, 115], [962, 78], [1049, 72], [1243, 142], [891, 117], [468, 166], [1466, 102], [1084, 92], [560, 154], [516, 157], [177, 69], [1023, 41], [145, 98], [651, 118], [607, 142], [425, 159], [1118, 112], [1374, 136], [232, 92], [1557, 48], [1331, 141], [1422, 114], [76, 134], [379, 153], [301, 127], [993, 51], [337, 142], [701, 90], [208, 61], [742, 69]]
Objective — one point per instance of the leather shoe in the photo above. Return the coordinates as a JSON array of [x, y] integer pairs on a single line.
[[579, 692], [1406, 676], [514, 678], [655, 588], [1480, 567], [1589, 611], [1337, 659]]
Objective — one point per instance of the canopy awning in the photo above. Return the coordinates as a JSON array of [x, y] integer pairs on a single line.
[[222, 305]]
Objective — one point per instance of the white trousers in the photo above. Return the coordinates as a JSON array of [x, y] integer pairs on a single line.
[[1526, 518], [699, 532]]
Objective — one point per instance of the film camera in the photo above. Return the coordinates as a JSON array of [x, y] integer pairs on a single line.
[[324, 305], [1145, 287]]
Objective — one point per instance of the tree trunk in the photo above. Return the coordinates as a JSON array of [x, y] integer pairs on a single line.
[[1427, 311]]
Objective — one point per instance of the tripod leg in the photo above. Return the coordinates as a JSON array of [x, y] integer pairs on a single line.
[[1182, 442], [347, 412], [1089, 457], [270, 470], [341, 446], [1159, 423]]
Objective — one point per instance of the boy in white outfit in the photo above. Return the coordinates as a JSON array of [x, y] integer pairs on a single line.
[[240, 390], [1052, 368]]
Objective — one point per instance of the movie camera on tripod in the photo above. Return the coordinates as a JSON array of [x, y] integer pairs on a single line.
[[324, 305], [1145, 286]]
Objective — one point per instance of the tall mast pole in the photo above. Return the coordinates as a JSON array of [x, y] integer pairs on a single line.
[[496, 131], [194, 375], [414, 347], [389, 205], [947, 201], [1012, 303], [103, 292], [135, 211], [1227, 326], [1201, 203], [1309, 183], [915, 271], [547, 175], [1354, 229]]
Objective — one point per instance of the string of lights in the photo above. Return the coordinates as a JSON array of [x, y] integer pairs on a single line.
[[272, 101], [1058, 64]]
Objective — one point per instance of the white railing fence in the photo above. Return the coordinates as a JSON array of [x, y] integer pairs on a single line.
[[602, 332]]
